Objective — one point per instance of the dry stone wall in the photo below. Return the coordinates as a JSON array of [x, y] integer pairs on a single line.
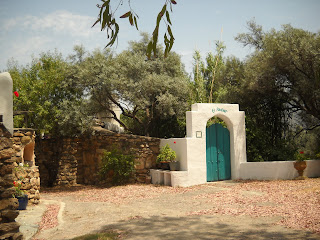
[[77, 160], [9, 228]]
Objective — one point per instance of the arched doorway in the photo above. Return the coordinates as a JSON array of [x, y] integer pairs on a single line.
[[218, 160]]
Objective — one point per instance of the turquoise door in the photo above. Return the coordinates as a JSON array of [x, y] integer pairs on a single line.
[[218, 153]]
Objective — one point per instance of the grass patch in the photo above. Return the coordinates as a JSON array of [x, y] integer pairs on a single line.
[[110, 235]]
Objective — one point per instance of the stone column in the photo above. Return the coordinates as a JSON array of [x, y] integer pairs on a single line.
[[9, 228]]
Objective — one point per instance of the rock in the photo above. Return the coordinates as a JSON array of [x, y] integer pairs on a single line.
[[9, 203], [7, 192], [139, 164], [6, 153], [37, 195], [14, 235], [7, 169], [16, 147], [20, 173], [18, 134], [34, 181], [10, 215], [25, 140], [29, 133], [5, 143]]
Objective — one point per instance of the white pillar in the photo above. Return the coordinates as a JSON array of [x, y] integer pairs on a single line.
[[6, 101]]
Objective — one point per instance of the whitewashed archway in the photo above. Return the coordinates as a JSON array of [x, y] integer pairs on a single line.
[[191, 150]]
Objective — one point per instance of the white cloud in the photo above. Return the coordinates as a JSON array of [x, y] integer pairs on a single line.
[[61, 22], [28, 35], [23, 50]]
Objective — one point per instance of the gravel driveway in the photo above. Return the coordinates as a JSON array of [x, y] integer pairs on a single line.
[[219, 210]]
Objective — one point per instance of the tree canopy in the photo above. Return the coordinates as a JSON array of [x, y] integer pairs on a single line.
[[286, 63], [146, 91], [277, 86]]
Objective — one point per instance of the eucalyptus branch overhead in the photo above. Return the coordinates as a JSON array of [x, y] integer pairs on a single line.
[[106, 19]]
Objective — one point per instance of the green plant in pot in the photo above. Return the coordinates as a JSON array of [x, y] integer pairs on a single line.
[[20, 195], [167, 157]]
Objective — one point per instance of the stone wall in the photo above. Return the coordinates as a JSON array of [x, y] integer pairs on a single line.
[[77, 160], [25, 169], [9, 228]]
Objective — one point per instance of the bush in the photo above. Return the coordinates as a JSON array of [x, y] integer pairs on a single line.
[[117, 166], [166, 154]]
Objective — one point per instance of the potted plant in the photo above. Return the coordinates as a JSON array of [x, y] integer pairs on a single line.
[[20, 195], [300, 164], [166, 156]]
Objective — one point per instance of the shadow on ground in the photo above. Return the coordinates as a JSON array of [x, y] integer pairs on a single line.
[[204, 227]]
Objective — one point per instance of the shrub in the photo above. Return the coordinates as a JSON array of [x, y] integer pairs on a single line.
[[166, 154], [117, 166]]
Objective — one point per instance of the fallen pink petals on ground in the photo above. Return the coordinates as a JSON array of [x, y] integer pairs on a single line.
[[50, 217], [297, 202], [121, 194]]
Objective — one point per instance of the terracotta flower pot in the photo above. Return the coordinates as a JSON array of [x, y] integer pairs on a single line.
[[300, 166]]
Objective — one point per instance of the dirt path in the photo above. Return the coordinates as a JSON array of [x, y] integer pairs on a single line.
[[221, 210]]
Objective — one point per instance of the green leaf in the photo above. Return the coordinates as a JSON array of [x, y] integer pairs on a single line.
[[171, 43], [149, 49], [154, 48], [104, 19], [161, 13], [131, 19], [114, 35], [170, 32], [168, 17], [135, 22], [98, 20], [155, 37], [163, 10], [127, 14]]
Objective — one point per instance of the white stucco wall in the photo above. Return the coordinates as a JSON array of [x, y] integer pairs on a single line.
[[277, 170], [6, 100], [191, 151]]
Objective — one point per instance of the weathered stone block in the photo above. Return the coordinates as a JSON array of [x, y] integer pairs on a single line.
[[20, 173], [26, 186], [18, 134], [16, 147], [6, 169], [9, 215], [139, 164], [6, 153], [9, 203], [7, 192], [37, 195], [33, 181], [25, 140], [17, 236], [29, 133], [5, 143]]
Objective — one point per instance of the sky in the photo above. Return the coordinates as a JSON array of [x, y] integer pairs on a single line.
[[28, 28]]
